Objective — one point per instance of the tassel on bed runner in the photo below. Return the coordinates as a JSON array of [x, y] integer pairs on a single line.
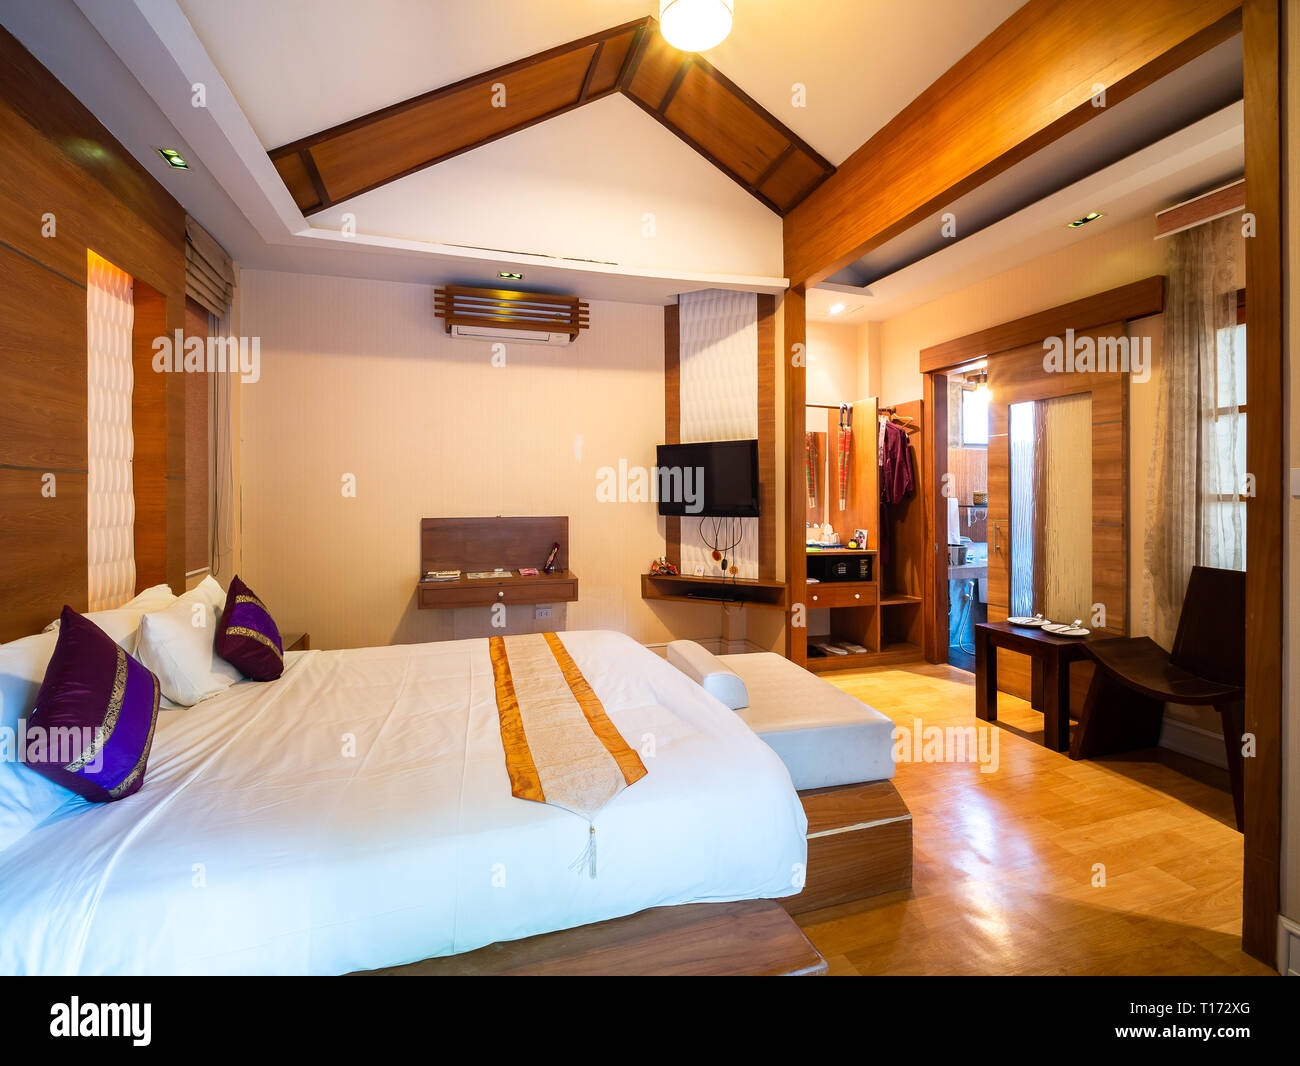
[[588, 856], [560, 746]]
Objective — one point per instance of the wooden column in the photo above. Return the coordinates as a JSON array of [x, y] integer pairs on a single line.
[[794, 358]]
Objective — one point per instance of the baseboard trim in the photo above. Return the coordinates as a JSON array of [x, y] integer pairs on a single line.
[[1288, 946], [1194, 742]]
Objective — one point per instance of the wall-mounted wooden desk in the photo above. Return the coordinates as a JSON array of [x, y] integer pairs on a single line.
[[480, 544], [688, 588]]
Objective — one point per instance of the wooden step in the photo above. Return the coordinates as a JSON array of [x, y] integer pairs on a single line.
[[859, 845], [754, 937]]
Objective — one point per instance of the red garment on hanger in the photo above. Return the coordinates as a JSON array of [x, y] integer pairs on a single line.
[[897, 480]]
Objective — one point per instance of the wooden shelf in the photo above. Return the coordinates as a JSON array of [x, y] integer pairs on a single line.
[[841, 551], [479, 544], [893, 599], [688, 588], [898, 652], [559, 587]]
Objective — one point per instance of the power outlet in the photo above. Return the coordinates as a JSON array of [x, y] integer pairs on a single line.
[[542, 612]]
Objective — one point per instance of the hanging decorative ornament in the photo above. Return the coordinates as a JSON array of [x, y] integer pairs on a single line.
[[695, 25]]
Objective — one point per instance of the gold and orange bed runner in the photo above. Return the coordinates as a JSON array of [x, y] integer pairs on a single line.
[[560, 746]]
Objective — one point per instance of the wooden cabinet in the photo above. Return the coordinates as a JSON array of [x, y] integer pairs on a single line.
[[473, 545], [560, 587], [842, 594]]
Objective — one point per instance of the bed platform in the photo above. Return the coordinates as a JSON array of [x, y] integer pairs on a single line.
[[753, 937], [839, 753], [859, 845]]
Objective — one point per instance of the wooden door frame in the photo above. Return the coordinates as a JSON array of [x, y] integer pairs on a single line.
[[1126, 303], [903, 174]]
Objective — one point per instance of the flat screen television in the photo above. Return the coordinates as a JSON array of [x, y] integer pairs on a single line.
[[713, 479]]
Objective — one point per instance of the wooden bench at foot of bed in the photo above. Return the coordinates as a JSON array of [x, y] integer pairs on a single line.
[[752, 937], [859, 845]]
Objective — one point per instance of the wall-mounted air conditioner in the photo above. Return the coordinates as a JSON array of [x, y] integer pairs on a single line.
[[499, 314]]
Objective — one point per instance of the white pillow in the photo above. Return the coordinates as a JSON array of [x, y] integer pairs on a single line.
[[123, 623], [178, 644], [207, 591], [709, 672], [26, 798], [154, 598]]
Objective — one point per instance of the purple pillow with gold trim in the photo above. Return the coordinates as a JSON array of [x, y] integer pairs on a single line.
[[247, 637], [93, 723]]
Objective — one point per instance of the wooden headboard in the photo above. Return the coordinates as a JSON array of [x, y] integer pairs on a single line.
[[54, 206]]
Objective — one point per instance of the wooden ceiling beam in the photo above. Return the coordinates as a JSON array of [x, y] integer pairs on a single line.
[[1031, 81], [682, 91]]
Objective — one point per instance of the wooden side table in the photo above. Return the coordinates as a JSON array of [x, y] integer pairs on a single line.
[[1055, 654]]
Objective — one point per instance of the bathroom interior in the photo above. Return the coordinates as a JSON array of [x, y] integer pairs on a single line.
[[967, 502]]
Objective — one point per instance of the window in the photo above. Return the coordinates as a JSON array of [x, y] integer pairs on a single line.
[[1223, 524], [975, 416]]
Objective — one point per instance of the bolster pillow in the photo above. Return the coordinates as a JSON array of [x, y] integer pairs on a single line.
[[710, 672]]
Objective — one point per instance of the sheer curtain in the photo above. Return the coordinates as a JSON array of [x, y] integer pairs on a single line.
[[1195, 511]]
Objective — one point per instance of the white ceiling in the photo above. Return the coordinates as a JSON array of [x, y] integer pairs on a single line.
[[300, 66]]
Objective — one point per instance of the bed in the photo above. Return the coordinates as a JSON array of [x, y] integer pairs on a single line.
[[357, 814]]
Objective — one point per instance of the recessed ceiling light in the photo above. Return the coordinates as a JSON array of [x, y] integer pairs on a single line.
[[695, 25], [1091, 216], [835, 309], [510, 275], [174, 158]]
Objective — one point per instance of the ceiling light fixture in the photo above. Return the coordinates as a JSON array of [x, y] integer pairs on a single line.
[[695, 25], [510, 275], [173, 158], [836, 308], [1091, 216]]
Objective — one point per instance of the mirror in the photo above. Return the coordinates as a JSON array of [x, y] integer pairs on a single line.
[[1051, 508]]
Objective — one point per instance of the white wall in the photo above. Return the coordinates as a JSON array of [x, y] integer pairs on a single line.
[[605, 182], [359, 377], [833, 364]]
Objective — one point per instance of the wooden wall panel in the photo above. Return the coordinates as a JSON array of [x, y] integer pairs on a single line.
[[766, 436], [67, 186], [1021, 88], [1267, 156], [42, 550], [42, 367], [673, 417], [794, 361]]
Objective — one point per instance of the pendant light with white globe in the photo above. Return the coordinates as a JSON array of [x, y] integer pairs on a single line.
[[695, 25]]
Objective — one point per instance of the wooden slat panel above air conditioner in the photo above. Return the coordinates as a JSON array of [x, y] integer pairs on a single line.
[[459, 305]]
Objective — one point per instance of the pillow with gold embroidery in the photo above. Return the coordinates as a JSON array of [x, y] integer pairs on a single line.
[[92, 728], [247, 636]]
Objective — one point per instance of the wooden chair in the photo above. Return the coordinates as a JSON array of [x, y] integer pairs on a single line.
[[1135, 677]]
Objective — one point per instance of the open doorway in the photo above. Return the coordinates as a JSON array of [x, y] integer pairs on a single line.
[[966, 514]]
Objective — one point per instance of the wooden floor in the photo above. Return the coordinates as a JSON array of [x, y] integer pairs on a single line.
[[1004, 862]]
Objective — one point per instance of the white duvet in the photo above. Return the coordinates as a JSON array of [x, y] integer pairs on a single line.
[[357, 814]]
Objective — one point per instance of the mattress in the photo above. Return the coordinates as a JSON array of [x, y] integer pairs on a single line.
[[357, 813], [822, 734]]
